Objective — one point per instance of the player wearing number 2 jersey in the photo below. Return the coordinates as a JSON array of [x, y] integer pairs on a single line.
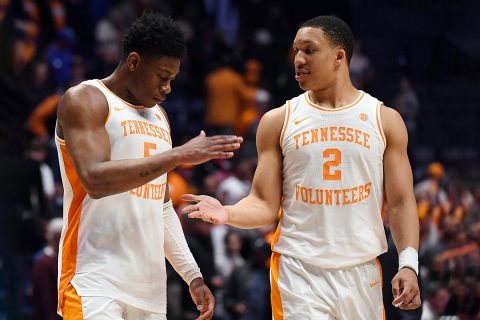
[[325, 158], [115, 149]]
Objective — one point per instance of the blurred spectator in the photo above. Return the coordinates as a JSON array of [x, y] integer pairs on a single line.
[[252, 77], [22, 207], [237, 186], [247, 295], [177, 185], [108, 40], [226, 18], [406, 103], [227, 97], [60, 55], [435, 301], [44, 275], [41, 121], [430, 194], [39, 81], [361, 71]]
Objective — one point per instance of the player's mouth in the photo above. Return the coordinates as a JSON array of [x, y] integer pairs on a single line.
[[300, 74]]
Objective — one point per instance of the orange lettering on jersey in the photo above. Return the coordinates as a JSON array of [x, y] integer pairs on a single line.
[[166, 135], [296, 137], [319, 196], [345, 193], [304, 138], [124, 125], [310, 193], [158, 131], [151, 191], [334, 197], [341, 134], [328, 197], [324, 132], [333, 136], [304, 194], [129, 122], [357, 136], [132, 127], [366, 136], [314, 134], [146, 191], [360, 193], [333, 133], [137, 126], [337, 196], [141, 124], [354, 195], [349, 134]]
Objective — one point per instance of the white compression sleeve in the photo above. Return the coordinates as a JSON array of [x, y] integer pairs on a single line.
[[176, 248]]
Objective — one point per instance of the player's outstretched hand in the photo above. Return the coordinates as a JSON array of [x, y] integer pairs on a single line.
[[406, 294], [203, 298], [202, 148], [206, 208]]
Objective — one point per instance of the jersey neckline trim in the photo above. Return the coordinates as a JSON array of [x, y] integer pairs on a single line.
[[127, 103], [316, 106]]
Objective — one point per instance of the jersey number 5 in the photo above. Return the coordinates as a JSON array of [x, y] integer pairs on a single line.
[[147, 146], [327, 170]]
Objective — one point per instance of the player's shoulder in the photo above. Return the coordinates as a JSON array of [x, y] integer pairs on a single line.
[[274, 118], [82, 98], [82, 93], [270, 127], [390, 116], [392, 122]]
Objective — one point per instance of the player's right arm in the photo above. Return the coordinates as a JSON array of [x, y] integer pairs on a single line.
[[261, 206], [82, 113]]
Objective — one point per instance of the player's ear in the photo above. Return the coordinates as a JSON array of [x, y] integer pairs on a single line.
[[340, 58], [133, 60]]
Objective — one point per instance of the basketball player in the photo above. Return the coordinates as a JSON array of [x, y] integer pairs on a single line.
[[115, 150], [325, 158]]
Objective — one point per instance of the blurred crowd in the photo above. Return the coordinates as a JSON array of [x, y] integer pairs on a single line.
[[238, 66]]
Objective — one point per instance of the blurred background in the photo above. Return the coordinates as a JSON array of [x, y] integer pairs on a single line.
[[421, 57]]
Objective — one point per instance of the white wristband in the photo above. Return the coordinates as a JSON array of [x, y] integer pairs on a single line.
[[408, 258]]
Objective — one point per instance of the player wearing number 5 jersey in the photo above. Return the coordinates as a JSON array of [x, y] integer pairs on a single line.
[[115, 150], [328, 158]]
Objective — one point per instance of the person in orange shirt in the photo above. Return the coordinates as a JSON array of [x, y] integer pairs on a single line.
[[227, 96]]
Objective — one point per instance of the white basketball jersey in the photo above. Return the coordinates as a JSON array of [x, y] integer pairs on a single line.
[[332, 183], [113, 246]]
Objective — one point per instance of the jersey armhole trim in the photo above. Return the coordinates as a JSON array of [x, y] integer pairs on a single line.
[[379, 123], [285, 123], [162, 112]]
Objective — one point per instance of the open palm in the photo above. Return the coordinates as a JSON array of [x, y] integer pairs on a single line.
[[206, 208]]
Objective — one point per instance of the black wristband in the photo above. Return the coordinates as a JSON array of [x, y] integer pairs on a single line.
[[408, 267]]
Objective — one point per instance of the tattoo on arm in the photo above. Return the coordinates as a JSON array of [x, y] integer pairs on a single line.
[[153, 171]]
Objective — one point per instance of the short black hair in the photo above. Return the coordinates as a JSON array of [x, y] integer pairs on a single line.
[[337, 31], [154, 35]]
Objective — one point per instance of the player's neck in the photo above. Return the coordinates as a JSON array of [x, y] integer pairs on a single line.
[[116, 84], [334, 97]]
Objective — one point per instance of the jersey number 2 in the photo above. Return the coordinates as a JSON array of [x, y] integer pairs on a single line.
[[327, 170]]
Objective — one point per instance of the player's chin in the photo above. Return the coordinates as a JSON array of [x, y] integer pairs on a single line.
[[304, 85]]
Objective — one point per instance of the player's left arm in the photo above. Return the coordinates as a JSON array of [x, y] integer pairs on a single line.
[[179, 255], [402, 209]]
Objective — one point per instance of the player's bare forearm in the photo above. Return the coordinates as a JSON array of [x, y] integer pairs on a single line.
[[102, 179], [404, 224], [251, 212]]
